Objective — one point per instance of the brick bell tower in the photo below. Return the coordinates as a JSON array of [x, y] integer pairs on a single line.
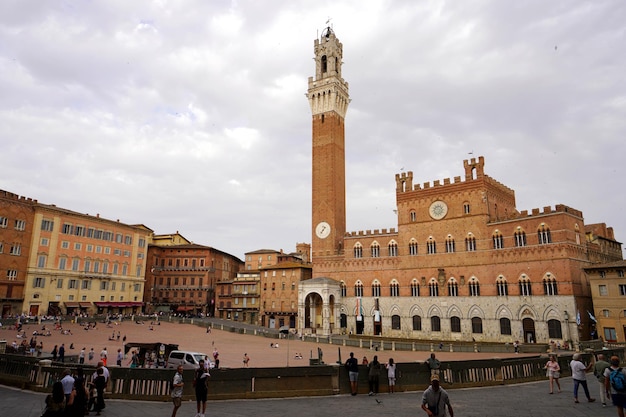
[[329, 99]]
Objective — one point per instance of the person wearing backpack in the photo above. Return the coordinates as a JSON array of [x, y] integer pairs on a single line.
[[615, 383]]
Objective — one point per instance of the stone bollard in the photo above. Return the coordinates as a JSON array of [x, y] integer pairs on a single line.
[[44, 363]]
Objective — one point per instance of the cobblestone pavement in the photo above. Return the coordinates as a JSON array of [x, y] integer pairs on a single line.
[[530, 399]]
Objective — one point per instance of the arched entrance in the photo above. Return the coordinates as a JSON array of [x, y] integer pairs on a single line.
[[313, 312], [528, 327], [317, 306]]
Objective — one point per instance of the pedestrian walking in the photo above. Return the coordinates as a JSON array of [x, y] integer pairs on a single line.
[[553, 372], [120, 357], [177, 389], [579, 376], [598, 370], [435, 399], [615, 384]]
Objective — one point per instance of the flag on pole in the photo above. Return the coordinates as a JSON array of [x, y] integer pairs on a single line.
[[592, 317]]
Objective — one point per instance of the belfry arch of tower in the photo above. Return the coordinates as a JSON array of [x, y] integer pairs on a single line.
[[318, 310]]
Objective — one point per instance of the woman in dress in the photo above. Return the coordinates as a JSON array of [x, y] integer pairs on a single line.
[[553, 372]]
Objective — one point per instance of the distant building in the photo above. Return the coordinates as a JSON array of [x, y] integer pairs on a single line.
[[463, 262], [280, 284], [608, 289], [84, 264], [16, 228], [265, 292], [183, 276]]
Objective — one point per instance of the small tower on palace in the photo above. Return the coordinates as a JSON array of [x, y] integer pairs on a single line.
[[329, 99]]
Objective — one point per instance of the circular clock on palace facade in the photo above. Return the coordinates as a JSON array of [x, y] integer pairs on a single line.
[[438, 210], [322, 230]]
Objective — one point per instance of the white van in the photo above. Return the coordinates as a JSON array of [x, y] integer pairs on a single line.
[[189, 360]]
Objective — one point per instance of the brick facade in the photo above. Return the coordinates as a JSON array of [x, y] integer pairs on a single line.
[[463, 263]]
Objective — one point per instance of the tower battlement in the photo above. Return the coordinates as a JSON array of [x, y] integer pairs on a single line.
[[559, 208], [474, 170], [16, 197], [370, 233]]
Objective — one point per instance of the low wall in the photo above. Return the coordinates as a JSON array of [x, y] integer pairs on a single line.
[[153, 384]]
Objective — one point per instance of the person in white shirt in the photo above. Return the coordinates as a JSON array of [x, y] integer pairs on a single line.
[[579, 376], [68, 383]]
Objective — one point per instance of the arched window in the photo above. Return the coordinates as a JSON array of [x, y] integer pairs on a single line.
[[470, 243], [455, 324], [525, 288], [324, 64], [344, 289], [474, 287], [477, 325], [554, 329], [394, 289], [543, 235], [503, 286], [466, 208], [415, 288], [392, 248], [453, 288], [520, 238], [375, 250], [376, 289], [358, 251], [450, 246], [413, 247], [417, 323], [505, 326], [431, 246], [549, 285], [433, 288], [358, 289], [498, 240], [395, 322], [435, 324], [412, 216]]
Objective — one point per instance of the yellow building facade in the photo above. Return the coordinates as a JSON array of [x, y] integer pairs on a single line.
[[82, 264]]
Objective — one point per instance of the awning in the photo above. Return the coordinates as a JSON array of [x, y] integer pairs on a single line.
[[119, 304], [184, 308], [84, 305], [71, 304]]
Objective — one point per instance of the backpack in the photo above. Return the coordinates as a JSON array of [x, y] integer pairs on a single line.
[[618, 381]]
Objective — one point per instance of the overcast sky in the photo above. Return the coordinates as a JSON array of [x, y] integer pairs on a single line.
[[191, 116]]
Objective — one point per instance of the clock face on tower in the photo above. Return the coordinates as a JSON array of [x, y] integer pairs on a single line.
[[322, 230], [438, 210]]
